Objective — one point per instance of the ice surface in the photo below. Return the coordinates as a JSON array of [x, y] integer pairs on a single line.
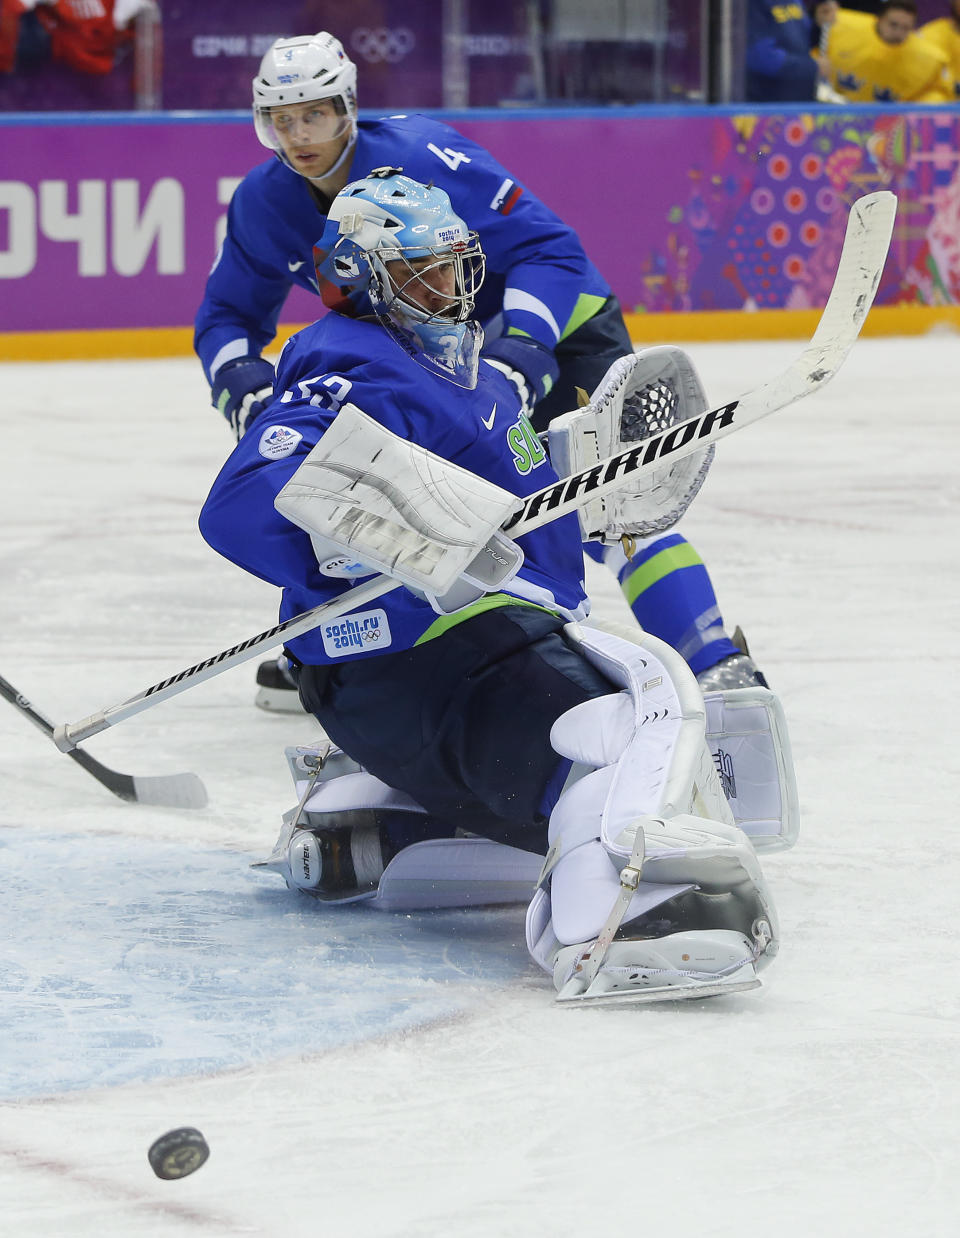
[[409, 1076]]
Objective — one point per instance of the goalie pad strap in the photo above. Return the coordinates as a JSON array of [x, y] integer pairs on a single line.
[[631, 874]]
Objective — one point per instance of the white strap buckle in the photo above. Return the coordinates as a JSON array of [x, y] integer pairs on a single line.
[[630, 877]]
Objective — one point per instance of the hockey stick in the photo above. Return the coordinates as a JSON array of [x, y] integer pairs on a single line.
[[165, 790], [865, 246]]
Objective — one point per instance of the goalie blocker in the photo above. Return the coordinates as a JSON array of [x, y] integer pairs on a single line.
[[392, 506]]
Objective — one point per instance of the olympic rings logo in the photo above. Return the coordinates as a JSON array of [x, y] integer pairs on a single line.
[[379, 43]]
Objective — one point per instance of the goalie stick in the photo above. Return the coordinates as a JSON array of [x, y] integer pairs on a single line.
[[865, 245], [163, 790]]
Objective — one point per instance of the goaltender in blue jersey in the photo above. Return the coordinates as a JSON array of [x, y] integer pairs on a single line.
[[391, 447], [540, 285], [550, 321], [483, 430], [464, 705]]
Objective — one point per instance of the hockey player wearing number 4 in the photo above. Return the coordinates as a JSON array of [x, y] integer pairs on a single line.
[[479, 725], [550, 320]]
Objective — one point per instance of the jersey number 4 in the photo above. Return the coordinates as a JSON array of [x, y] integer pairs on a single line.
[[452, 158]]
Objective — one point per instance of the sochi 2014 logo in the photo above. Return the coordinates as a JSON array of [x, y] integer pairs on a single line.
[[356, 633]]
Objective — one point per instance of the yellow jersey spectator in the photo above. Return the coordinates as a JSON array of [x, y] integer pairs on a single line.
[[883, 60], [944, 33]]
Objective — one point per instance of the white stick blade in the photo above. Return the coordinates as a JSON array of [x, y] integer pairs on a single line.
[[171, 790]]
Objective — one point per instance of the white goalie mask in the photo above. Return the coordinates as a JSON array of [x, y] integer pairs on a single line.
[[423, 266], [295, 73]]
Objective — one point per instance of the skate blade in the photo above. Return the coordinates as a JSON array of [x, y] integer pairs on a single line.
[[667, 993], [279, 701]]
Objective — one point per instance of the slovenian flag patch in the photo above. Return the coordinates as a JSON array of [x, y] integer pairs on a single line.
[[506, 197]]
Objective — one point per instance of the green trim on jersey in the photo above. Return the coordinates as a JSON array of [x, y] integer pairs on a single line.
[[655, 568], [492, 601], [587, 305]]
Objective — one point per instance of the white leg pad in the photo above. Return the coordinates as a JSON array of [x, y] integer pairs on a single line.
[[652, 773], [438, 872], [457, 872], [750, 746]]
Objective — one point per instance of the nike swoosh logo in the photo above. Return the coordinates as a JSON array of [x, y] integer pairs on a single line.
[[295, 266], [488, 421]]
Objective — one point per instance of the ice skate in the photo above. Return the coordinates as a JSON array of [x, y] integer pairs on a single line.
[[339, 862], [276, 688], [736, 671], [682, 967], [708, 939], [679, 966]]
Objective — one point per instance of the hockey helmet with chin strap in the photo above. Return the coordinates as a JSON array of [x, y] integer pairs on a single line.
[[399, 246], [301, 70], [389, 219]]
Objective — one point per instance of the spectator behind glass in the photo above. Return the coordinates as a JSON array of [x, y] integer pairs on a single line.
[[88, 36], [944, 34], [780, 68], [882, 60]]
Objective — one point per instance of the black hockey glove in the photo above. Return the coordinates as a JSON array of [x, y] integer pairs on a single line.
[[530, 366], [242, 390]]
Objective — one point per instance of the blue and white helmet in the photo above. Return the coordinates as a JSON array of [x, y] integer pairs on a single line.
[[400, 246], [303, 70], [389, 219]]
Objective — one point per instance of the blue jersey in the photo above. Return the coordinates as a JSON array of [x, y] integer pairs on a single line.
[[779, 65], [538, 275], [340, 360]]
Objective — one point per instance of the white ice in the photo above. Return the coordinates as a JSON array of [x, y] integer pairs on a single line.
[[409, 1076]]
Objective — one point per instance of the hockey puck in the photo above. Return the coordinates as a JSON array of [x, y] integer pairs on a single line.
[[178, 1153]]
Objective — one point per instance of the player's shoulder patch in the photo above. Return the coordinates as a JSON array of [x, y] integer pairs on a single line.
[[506, 197], [278, 441], [357, 633]]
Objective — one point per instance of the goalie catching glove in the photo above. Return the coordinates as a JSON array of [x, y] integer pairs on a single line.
[[640, 395], [397, 508]]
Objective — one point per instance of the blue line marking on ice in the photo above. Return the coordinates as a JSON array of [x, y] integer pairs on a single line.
[[129, 959]]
